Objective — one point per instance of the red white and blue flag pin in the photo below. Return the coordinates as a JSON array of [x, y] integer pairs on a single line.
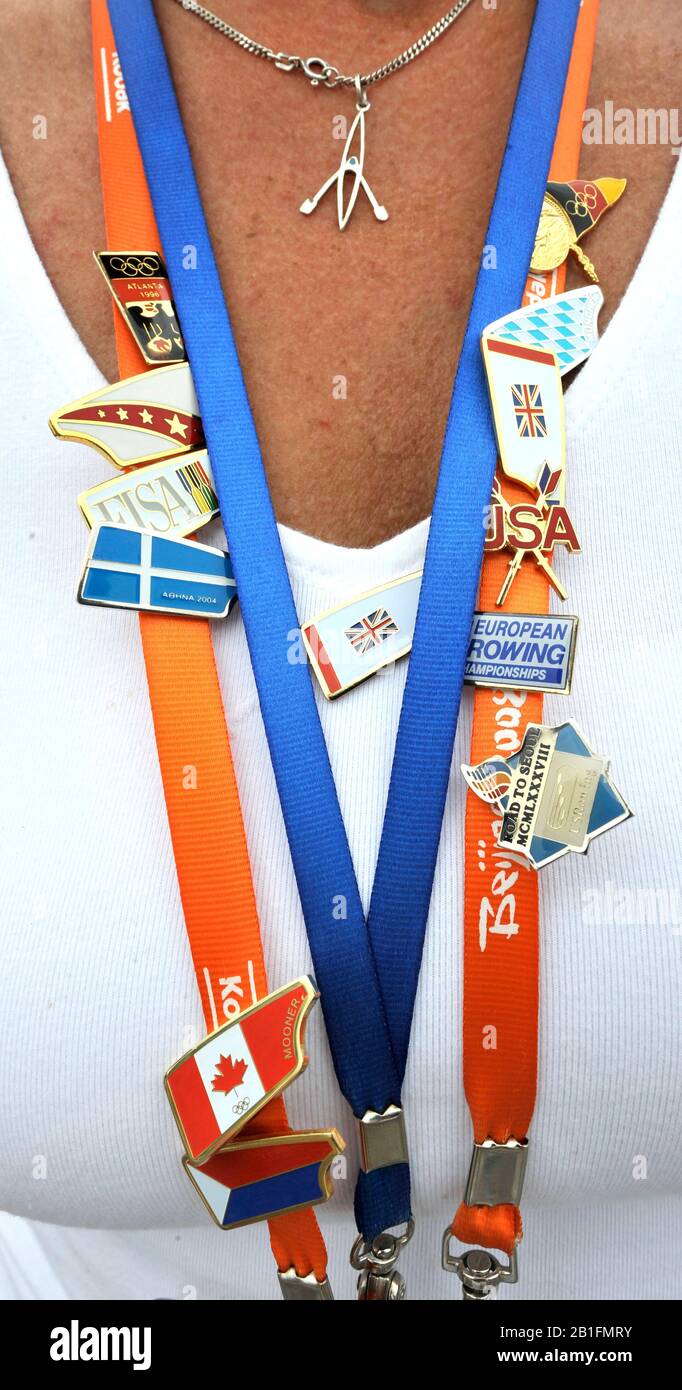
[[253, 1179], [127, 567], [223, 1082], [527, 404]]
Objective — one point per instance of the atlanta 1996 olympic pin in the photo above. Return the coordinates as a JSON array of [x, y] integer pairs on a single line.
[[139, 283]]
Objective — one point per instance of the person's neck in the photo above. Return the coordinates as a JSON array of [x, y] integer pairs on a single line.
[[353, 34]]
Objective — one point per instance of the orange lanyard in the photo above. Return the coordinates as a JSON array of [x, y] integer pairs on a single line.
[[202, 800], [501, 939]]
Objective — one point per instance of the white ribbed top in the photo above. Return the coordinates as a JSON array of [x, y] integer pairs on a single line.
[[98, 986]]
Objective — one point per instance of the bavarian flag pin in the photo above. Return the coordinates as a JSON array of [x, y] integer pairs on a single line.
[[569, 210]]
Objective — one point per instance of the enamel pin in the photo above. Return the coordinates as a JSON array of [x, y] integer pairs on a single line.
[[129, 568], [554, 795], [522, 651], [533, 530], [223, 1082], [527, 402], [139, 283], [569, 210], [350, 169], [565, 325], [174, 497], [253, 1179], [353, 641], [519, 651], [143, 418]]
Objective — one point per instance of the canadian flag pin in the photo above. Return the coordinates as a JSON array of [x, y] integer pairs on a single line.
[[223, 1082]]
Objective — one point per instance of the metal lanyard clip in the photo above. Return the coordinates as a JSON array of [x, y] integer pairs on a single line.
[[479, 1271], [379, 1279]]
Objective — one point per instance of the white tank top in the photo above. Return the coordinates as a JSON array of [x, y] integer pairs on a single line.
[[98, 988]]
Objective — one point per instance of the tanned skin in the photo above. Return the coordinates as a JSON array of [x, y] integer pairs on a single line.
[[383, 305]]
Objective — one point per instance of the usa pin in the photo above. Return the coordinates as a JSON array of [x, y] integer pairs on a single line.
[[129, 568], [532, 530], [216, 1087], [138, 420], [554, 795], [175, 497], [252, 1179], [139, 283]]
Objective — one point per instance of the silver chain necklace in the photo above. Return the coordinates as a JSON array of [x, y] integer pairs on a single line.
[[321, 73]]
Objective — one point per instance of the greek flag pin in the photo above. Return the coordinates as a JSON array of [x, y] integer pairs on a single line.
[[131, 568]]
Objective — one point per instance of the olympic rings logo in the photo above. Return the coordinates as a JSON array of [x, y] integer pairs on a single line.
[[135, 265], [584, 202]]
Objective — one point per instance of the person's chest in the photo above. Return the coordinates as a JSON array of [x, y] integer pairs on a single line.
[[349, 340]]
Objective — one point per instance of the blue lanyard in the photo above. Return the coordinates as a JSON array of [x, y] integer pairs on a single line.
[[367, 970]]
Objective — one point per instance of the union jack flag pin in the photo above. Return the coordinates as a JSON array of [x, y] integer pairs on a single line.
[[347, 644], [527, 401]]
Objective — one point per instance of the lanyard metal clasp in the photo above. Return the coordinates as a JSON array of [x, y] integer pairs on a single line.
[[479, 1271], [379, 1279]]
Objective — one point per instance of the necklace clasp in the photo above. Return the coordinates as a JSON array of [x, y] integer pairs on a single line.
[[318, 70]]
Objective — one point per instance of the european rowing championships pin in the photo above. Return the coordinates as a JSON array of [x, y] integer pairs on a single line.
[[223, 1082], [253, 1179], [129, 568], [554, 795], [138, 420], [569, 210], [139, 283], [522, 651], [174, 497]]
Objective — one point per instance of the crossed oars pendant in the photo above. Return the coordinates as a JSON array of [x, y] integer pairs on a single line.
[[351, 167]]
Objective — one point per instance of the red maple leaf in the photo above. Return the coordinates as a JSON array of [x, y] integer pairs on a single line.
[[228, 1075]]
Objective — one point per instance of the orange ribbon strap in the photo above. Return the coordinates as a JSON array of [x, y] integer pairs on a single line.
[[500, 1013], [200, 788]]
